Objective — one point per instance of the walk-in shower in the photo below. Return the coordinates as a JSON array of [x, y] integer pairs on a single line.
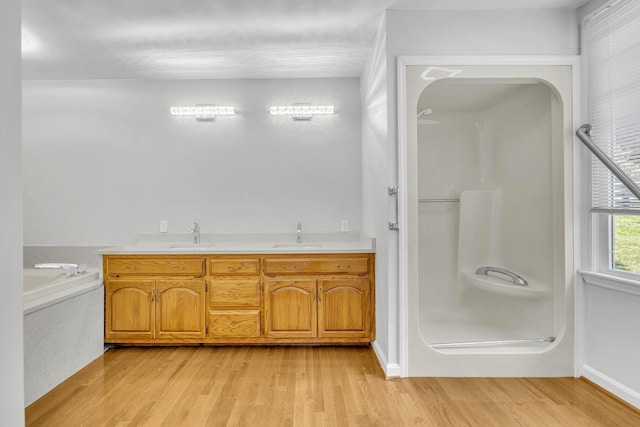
[[489, 220]]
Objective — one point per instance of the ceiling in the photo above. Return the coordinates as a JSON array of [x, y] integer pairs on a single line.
[[212, 39]]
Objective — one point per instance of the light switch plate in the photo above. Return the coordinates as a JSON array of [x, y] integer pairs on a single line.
[[344, 225], [164, 225]]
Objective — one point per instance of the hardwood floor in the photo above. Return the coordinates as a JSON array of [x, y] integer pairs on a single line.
[[306, 386]]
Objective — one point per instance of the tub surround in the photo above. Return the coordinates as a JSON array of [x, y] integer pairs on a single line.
[[63, 328], [246, 243], [35, 254], [264, 289]]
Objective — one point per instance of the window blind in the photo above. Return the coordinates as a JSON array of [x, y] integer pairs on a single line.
[[612, 50]]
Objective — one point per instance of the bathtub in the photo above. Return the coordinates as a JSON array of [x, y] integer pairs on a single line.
[[63, 327], [50, 286]]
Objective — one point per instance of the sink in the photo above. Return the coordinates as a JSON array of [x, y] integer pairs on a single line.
[[297, 245], [190, 246]]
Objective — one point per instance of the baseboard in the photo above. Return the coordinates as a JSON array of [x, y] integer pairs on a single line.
[[391, 370], [612, 386]]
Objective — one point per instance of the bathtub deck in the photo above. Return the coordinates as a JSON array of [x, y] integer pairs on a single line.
[[306, 386]]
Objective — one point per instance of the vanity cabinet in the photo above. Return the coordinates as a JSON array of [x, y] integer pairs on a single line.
[[220, 299], [323, 298], [154, 300]]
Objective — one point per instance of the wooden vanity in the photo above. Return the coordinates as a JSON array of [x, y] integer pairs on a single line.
[[169, 299]]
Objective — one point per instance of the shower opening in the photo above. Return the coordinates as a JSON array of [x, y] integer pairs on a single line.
[[486, 213]]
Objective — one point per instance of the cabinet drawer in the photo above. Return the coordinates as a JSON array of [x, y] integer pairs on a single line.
[[234, 323], [234, 266], [156, 266], [234, 293], [354, 265]]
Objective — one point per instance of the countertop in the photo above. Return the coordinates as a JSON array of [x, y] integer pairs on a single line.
[[318, 243]]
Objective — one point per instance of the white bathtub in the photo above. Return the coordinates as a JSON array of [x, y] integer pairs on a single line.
[[63, 327], [50, 286]]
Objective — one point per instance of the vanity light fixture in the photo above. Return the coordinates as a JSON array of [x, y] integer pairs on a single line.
[[203, 112], [301, 111]]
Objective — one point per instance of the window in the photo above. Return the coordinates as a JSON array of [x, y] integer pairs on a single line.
[[625, 239], [612, 50]]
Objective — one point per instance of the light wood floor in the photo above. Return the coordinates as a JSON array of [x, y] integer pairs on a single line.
[[306, 386]]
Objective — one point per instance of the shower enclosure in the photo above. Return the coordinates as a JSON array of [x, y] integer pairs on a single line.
[[489, 220]]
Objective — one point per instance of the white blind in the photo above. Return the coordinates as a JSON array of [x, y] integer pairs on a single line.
[[612, 49]]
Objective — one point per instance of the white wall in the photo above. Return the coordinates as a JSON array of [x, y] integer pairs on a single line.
[[11, 362], [376, 178], [608, 347], [104, 160], [414, 32]]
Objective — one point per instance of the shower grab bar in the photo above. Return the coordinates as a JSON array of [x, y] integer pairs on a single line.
[[584, 134], [491, 343], [393, 225], [517, 279], [438, 200]]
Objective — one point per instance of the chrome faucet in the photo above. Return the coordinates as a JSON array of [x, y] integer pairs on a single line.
[[70, 270], [299, 240], [196, 233]]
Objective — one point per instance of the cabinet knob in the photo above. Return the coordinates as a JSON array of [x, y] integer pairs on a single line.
[[234, 325]]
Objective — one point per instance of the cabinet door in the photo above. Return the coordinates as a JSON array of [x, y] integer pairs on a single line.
[[290, 308], [129, 309], [343, 308], [180, 308]]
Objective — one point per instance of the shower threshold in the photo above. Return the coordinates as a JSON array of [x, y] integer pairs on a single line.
[[492, 343]]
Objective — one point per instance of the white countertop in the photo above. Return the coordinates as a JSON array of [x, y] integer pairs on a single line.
[[245, 244]]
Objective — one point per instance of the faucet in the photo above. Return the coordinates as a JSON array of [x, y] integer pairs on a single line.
[[70, 270], [299, 240], [196, 233]]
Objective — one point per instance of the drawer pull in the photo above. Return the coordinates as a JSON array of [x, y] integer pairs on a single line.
[[234, 325], [230, 268], [344, 267], [177, 267], [232, 294], [129, 268], [289, 267]]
